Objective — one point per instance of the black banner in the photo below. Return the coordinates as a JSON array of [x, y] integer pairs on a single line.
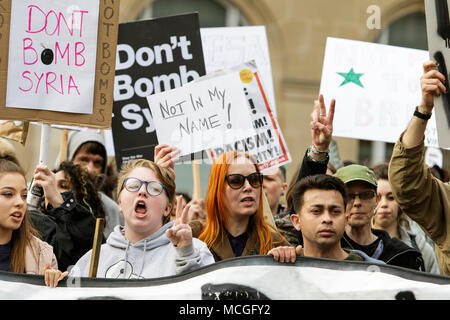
[[152, 56]]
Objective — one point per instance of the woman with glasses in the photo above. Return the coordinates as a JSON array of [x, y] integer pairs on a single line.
[[149, 245], [234, 224]]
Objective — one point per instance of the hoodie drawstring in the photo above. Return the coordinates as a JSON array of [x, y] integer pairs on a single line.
[[126, 259], [143, 257]]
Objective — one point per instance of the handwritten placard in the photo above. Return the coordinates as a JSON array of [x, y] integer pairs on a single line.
[[52, 49], [203, 114], [62, 20], [266, 144], [229, 46]]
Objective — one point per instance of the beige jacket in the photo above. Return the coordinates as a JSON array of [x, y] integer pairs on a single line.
[[424, 198], [43, 255]]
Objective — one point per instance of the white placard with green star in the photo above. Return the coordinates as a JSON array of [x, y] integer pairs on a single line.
[[376, 88]]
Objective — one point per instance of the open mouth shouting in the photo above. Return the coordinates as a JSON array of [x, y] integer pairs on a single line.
[[140, 209]]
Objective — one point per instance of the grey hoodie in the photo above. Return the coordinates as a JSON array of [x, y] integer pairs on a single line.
[[74, 142], [152, 257]]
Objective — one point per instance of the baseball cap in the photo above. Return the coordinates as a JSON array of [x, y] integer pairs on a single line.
[[355, 172]]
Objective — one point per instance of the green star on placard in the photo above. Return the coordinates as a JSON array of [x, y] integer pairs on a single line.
[[351, 76]]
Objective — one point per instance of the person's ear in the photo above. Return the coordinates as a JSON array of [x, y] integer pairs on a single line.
[[296, 221], [168, 209], [284, 188]]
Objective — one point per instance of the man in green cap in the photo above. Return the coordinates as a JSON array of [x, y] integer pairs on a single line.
[[361, 185]]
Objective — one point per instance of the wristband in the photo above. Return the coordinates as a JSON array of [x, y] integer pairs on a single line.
[[323, 161], [313, 150], [423, 116]]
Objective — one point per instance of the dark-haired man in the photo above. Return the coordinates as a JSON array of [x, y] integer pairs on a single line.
[[319, 202]]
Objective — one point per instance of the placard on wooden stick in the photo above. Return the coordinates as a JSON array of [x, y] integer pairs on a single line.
[[108, 18]]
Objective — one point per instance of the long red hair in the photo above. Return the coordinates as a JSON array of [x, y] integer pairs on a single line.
[[215, 205]]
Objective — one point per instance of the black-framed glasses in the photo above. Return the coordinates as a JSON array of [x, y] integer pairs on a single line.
[[366, 195], [236, 181], [154, 188]]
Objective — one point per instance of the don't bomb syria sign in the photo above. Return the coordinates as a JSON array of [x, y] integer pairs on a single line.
[[52, 51], [57, 59]]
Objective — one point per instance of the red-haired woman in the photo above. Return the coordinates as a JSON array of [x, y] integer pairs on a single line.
[[235, 224]]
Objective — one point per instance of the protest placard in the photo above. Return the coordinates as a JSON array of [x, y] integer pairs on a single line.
[[229, 46], [14, 130], [57, 59], [202, 114], [438, 34], [152, 56], [267, 143], [376, 88]]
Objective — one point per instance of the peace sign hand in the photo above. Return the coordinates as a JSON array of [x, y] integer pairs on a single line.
[[181, 233], [322, 124]]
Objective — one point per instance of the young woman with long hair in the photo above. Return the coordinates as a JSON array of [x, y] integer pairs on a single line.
[[21, 250]]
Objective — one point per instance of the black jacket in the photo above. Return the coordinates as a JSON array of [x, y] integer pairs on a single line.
[[69, 228], [395, 252]]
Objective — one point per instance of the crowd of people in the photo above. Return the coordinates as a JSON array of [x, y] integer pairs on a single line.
[[394, 213]]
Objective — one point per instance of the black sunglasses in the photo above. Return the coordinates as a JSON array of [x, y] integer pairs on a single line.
[[236, 181]]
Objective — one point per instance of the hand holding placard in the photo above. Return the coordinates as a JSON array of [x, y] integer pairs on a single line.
[[202, 114]]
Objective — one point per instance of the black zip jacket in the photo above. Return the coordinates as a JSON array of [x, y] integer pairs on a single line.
[[395, 252]]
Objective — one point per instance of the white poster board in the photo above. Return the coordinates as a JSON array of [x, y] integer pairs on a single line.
[[376, 88], [267, 144], [52, 52], [229, 46], [438, 47], [202, 114]]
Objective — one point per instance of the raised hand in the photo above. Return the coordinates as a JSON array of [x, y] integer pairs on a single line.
[[165, 156], [432, 83], [181, 233], [197, 210], [45, 178], [322, 124]]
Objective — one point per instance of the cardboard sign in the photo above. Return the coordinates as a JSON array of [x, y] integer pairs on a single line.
[[57, 57], [229, 46], [438, 34], [53, 54], [203, 114], [267, 143], [14, 130], [376, 88], [152, 56]]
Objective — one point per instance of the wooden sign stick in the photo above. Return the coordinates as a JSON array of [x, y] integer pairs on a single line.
[[197, 193], [98, 236], [63, 148]]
